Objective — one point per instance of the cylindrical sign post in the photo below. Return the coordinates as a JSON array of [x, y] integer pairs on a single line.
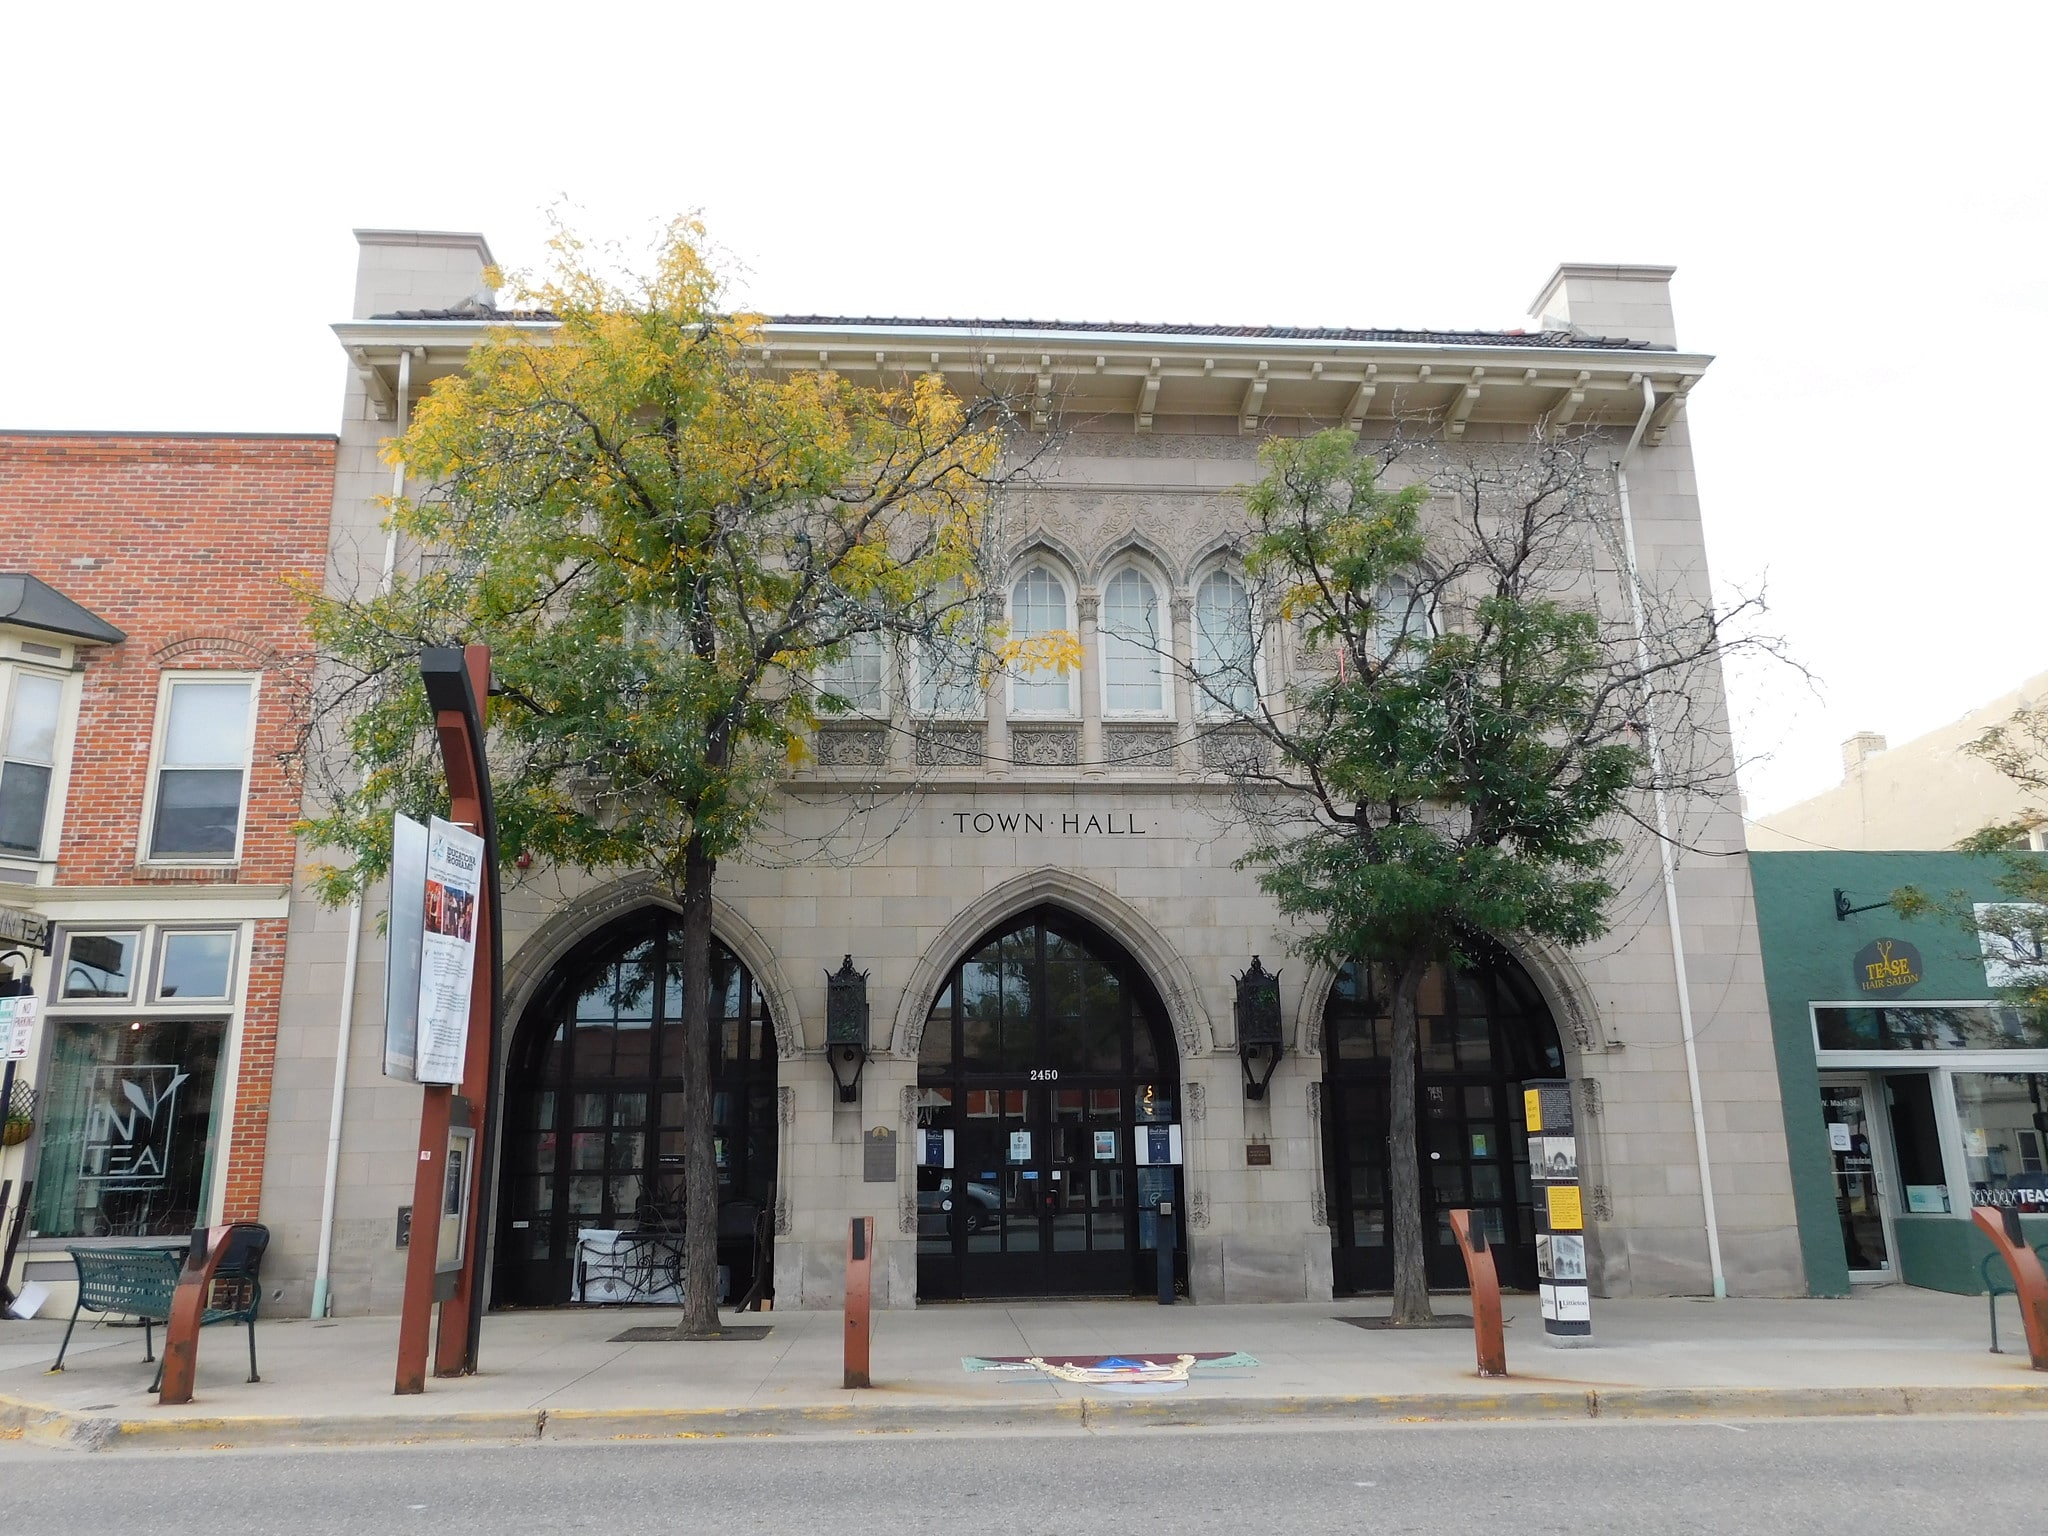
[[1561, 1280]]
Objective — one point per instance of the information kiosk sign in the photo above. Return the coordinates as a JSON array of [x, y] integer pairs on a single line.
[[1560, 1212]]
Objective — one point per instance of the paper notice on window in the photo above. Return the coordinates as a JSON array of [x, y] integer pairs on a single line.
[[455, 866], [1838, 1136]]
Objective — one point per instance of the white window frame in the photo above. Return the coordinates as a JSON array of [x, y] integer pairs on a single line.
[[823, 680], [60, 750], [1162, 662], [140, 932], [167, 681], [1205, 706], [160, 951], [913, 681], [1942, 1066], [1067, 586]]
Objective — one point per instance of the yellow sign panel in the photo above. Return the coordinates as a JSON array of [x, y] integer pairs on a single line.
[[1565, 1212], [1532, 1108]]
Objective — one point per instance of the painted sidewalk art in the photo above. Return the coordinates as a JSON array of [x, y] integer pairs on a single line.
[[1133, 1375]]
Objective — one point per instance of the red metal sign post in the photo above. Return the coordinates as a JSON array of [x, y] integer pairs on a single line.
[[458, 682], [1487, 1337], [860, 1268], [2028, 1279]]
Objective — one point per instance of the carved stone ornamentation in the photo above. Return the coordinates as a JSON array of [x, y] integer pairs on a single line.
[[1198, 1209], [906, 1213], [950, 746], [1198, 1103], [785, 1107], [1603, 1203], [1232, 751], [908, 1112], [864, 747], [1045, 749], [782, 1222], [1138, 746], [1318, 1204], [1089, 604]]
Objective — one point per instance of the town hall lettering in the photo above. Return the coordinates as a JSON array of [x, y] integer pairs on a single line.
[[1058, 823]]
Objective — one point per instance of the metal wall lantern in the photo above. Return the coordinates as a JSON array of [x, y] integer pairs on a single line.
[[1260, 1038], [846, 1027]]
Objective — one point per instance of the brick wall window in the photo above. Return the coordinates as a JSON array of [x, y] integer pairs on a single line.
[[31, 720], [201, 778]]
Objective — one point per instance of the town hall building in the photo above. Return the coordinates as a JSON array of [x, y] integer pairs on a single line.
[[1046, 919]]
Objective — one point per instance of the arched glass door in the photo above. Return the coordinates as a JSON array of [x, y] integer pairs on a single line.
[[1045, 1050], [593, 1109], [1481, 1032]]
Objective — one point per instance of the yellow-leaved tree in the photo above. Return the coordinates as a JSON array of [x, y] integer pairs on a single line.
[[664, 544]]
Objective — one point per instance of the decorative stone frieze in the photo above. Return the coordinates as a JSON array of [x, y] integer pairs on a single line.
[[1138, 746], [1037, 747], [950, 746], [863, 747]]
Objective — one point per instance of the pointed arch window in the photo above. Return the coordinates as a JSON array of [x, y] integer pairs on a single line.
[[1039, 606], [1400, 614], [1225, 656], [1133, 650]]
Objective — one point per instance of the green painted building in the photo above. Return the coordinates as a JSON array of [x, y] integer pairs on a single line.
[[1911, 1092]]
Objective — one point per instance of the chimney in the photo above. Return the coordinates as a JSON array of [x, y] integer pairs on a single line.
[[1858, 750], [409, 269], [1624, 303]]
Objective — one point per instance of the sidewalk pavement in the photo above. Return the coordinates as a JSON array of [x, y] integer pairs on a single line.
[[564, 1375]]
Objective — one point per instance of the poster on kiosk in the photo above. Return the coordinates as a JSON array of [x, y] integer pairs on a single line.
[[455, 862]]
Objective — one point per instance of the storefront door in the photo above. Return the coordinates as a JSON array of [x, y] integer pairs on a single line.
[[1849, 1108]]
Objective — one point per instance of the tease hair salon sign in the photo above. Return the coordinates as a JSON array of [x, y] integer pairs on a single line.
[[1887, 965], [1047, 823]]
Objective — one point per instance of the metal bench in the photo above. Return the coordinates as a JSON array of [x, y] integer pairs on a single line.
[[141, 1282], [132, 1282], [1998, 1282]]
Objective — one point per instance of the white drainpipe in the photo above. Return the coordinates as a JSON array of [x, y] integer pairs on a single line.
[[323, 1298], [1666, 851]]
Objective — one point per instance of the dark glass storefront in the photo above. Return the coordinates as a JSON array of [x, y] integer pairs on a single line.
[[1044, 1052], [1481, 1032], [594, 1135]]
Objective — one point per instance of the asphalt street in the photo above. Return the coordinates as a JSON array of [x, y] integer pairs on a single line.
[[1861, 1476]]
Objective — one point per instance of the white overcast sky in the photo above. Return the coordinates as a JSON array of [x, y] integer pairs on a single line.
[[1853, 196]]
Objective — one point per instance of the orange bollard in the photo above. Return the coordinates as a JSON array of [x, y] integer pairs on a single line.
[[2003, 1228], [188, 1307], [1487, 1336], [860, 1266]]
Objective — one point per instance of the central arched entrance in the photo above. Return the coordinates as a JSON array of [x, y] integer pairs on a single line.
[[1046, 1049], [593, 1143], [1481, 1031]]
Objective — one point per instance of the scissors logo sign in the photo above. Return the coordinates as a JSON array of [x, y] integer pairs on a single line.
[[128, 1128]]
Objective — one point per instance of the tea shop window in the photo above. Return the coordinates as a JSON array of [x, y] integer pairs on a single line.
[[133, 1088]]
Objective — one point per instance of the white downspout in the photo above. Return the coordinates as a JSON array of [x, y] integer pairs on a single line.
[[1667, 854], [323, 1299]]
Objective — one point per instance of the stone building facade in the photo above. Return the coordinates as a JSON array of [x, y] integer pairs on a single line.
[[150, 656], [1073, 842]]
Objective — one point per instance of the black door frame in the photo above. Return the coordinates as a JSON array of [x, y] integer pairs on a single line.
[[1468, 1119], [969, 1217], [546, 1081]]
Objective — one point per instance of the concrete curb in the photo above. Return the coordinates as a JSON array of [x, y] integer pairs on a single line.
[[38, 1424]]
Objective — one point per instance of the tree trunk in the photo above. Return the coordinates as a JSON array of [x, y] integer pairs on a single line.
[[1404, 1168], [700, 1159]]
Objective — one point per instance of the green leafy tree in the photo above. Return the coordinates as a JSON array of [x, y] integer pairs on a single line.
[[663, 544], [2018, 749], [1461, 746]]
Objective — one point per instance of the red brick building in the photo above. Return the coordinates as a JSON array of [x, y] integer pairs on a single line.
[[151, 654]]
